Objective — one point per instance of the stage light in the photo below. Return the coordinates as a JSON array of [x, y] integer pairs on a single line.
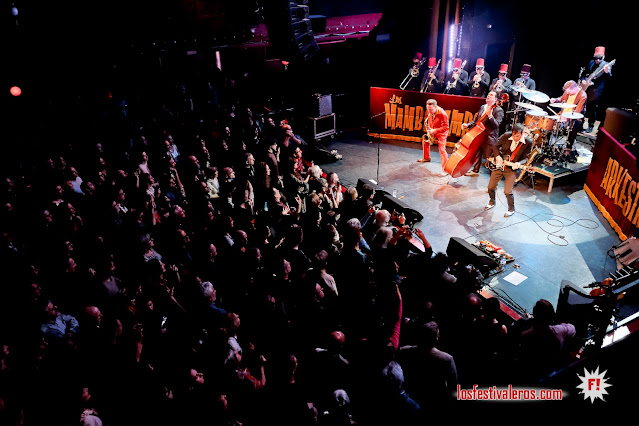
[[15, 91], [218, 60]]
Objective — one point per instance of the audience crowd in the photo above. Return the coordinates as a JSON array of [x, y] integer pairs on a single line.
[[197, 263]]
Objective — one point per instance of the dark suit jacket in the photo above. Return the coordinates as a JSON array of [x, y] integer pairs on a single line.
[[492, 124], [503, 148]]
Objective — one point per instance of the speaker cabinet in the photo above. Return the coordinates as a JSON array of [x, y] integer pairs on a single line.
[[461, 251], [290, 29], [391, 203], [620, 124]]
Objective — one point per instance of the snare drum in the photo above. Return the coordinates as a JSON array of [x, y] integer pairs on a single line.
[[533, 118], [547, 122]]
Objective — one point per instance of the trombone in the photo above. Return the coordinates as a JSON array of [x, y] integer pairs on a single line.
[[413, 72]]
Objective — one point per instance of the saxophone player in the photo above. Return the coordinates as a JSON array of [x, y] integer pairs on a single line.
[[436, 131], [501, 84], [479, 80], [457, 80]]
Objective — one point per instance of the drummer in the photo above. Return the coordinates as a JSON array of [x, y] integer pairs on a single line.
[[574, 99]]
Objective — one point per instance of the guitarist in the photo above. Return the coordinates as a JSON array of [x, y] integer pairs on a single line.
[[491, 116], [436, 131], [594, 90], [515, 148]]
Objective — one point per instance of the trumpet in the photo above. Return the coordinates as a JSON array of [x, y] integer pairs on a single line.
[[413, 72], [498, 86], [476, 79]]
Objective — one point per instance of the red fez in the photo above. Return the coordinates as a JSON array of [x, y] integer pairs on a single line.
[[525, 68], [503, 68], [418, 56], [457, 63], [432, 62], [600, 51], [480, 62]]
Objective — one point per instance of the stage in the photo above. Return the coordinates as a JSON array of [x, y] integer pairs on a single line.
[[556, 234]]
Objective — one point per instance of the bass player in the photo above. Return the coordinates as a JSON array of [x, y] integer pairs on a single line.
[[509, 154], [435, 131], [491, 120], [595, 76]]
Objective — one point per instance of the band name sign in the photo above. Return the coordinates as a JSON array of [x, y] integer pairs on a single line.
[[613, 184], [399, 114]]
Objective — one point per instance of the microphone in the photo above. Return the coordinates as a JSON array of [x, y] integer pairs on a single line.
[[377, 115], [594, 284]]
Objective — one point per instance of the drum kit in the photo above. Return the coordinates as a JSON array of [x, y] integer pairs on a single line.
[[549, 132]]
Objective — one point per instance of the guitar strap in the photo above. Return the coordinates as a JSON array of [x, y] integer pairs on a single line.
[[512, 154]]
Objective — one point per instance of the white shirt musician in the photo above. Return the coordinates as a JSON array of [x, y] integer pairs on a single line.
[[510, 153]]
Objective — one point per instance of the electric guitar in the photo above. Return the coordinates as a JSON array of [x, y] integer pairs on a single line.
[[494, 164], [588, 81]]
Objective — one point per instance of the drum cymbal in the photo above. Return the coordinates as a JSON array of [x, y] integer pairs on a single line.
[[560, 105], [535, 96], [521, 89], [528, 106], [572, 115], [537, 113]]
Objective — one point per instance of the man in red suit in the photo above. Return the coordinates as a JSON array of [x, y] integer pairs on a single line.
[[435, 131]]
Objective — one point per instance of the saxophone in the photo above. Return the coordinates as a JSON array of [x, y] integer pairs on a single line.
[[427, 137]]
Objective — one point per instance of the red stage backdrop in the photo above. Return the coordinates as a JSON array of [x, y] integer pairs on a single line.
[[613, 184], [403, 113]]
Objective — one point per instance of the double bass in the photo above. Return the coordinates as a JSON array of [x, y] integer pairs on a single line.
[[465, 156]]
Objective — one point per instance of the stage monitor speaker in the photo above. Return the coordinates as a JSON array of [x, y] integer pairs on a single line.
[[620, 124], [461, 251], [391, 203], [378, 189], [290, 29]]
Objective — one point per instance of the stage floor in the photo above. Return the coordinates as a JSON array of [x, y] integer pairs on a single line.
[[553, 236]]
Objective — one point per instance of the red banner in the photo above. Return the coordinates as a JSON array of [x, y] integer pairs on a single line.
[[613, 184], [399, 114]]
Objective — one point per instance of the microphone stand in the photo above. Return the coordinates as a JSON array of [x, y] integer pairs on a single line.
[[375, 116]]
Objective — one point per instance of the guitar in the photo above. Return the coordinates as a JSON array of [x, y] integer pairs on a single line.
[[464, 156], [494, 164], [588, 81]]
